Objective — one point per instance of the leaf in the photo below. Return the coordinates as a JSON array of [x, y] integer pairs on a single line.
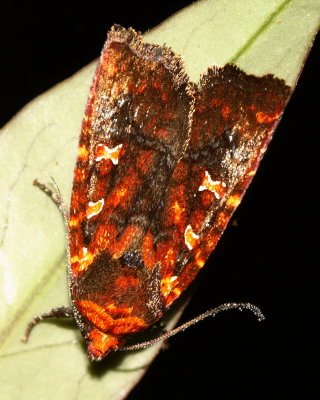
[[261, 37]]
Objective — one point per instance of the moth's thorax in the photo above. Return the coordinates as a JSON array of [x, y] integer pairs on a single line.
[[116, 298]]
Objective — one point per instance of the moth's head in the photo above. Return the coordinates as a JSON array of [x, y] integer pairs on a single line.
[[101, 344]]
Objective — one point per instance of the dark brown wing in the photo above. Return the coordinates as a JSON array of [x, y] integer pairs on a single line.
[[133, 133], [234, 117]]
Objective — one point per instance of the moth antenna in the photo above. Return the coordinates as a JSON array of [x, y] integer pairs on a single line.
[[58, 200], [56, 197], [210, 313]]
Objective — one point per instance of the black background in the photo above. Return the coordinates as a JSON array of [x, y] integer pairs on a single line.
[[267, 257]]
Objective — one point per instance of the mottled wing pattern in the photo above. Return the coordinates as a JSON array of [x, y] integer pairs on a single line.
[[133, 134], [161, 167], [234, 117], [134, 129]]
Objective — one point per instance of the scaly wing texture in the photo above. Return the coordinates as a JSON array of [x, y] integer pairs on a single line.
[[234, 117], [134, 129], [134, 132], [162, 165]]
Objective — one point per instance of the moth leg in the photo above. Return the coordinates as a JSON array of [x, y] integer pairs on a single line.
[[59, 312], [161, 326], [164, 330]]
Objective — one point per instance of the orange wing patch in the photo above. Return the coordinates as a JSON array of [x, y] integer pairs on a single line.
[[81, 262], [104, 152], [94, 209], [190, 238], [217, 187]]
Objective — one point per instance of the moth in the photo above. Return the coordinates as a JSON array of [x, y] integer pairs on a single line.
[[162, 164]]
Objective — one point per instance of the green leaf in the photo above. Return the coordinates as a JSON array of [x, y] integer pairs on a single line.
[[259, 36]]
